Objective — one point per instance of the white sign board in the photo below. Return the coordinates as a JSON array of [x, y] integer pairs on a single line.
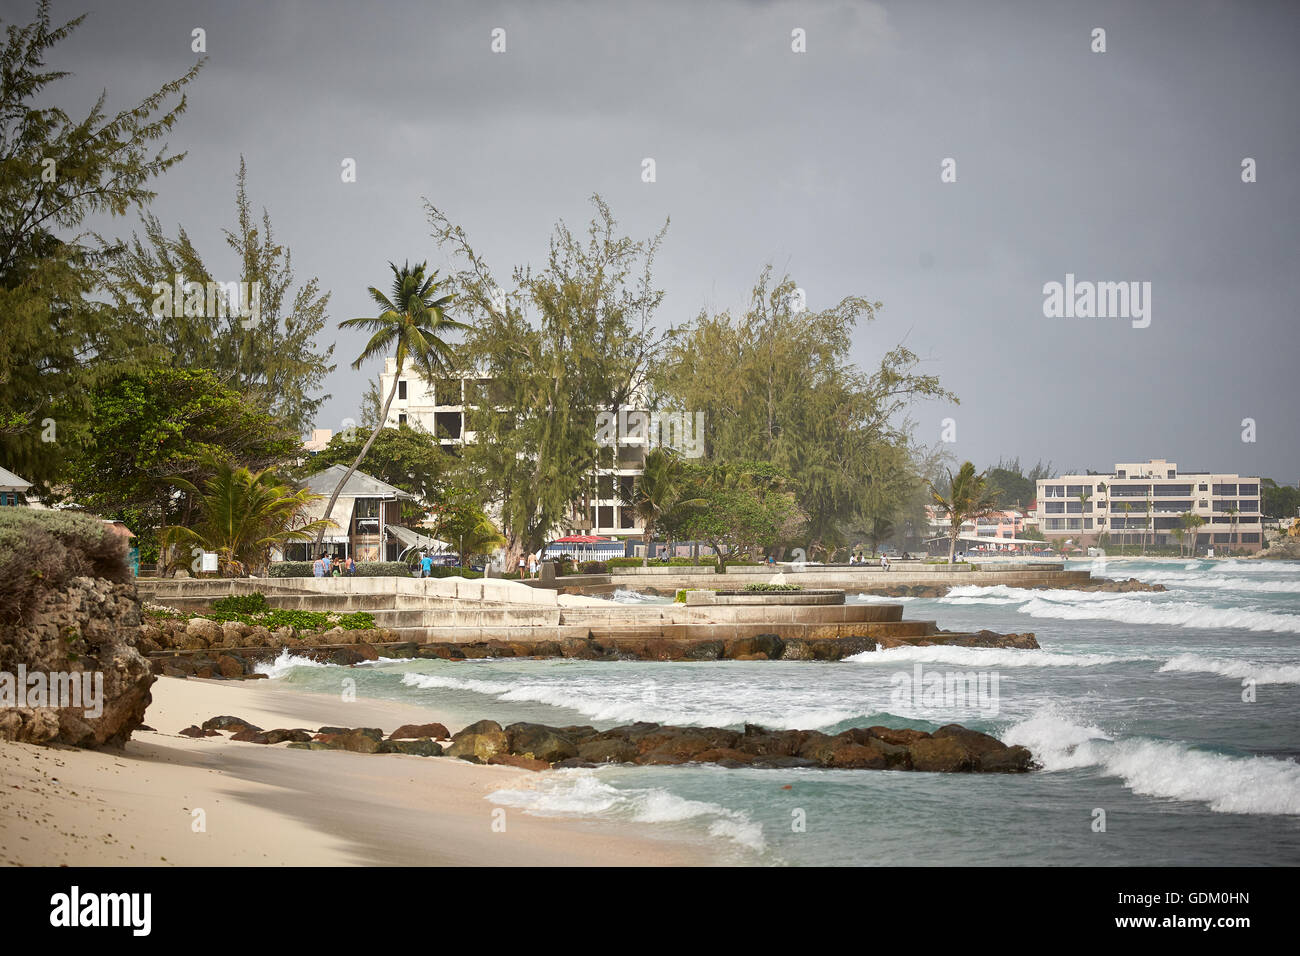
[[209, 561]]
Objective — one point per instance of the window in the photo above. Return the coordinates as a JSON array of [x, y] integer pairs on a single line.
[[401, 390], [1202, 486], [1120, 474], [401, 418], [1171, 474]]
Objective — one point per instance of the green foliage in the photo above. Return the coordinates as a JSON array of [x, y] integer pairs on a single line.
[[706, 561], [242, 603], [1279, 501], [41, 551], [369, 569], [405, 457], [1012, 486], [150, 425], [298, 620], [561, 343], [270, 358], [55, 172], [968, 496], [776, 386], [413, 323], [241, 515], [290, 569], [738, 509], [594, 567], [773, 587], [458, 520]]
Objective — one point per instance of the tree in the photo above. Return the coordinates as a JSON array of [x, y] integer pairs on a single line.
[[146, 426], [775, 385], [738, 508], [655, 492], [564, 343], [270, 355], [1231, 512], [968, 497], [1149, 527], [1084, 496], [242, 515], [1128, 507], [458, 519], [407, 458], [55, 172], [1192, 523], [412, 323]]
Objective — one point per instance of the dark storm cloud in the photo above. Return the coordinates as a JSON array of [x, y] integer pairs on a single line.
[[1116, 166]]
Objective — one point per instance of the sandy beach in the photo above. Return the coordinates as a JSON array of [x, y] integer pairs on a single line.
[[270, 806]]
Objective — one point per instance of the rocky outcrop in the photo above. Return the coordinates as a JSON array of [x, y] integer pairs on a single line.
[[70, 671], [530, 746], [1122, 587]]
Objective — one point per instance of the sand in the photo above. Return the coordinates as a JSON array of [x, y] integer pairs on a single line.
[[268, 805]]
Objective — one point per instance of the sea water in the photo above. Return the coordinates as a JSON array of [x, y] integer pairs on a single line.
[[1167, 725]]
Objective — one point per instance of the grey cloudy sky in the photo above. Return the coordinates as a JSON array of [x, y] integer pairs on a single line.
[[1115, 166]]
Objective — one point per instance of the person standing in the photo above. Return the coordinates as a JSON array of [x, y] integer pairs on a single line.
[[318, 567], [532, 565], [426, 566], [352, 565]]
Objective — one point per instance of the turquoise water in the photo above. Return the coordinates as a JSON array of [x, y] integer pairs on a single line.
[[1134, 705]]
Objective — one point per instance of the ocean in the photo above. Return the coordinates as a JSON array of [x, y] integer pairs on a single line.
[[1167, 725]]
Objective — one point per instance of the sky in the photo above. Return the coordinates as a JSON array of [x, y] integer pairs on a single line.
[[1123, 165]]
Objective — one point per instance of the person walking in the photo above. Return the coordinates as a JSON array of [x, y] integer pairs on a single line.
[[352, 566], [523, 566], [318, 567], [426, 566], [532, 565]]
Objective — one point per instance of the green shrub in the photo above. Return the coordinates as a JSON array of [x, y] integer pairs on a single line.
[[298, 620], [242, 603], [291, 569], [384, 569], [43, 550], [594, 567], [773, 587]]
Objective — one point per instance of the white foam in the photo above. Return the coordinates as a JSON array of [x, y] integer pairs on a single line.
[[985, 657], [581, 792], [1260, 673], [284, 664], [1127, 610], [1156, 768], [700, 703]]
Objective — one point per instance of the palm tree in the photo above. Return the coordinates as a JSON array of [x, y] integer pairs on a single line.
[[1148, 529], [654, 493], [1193, 522], [969, 496], [1084, 495], [1103, 514], [242, 515], [1128, 507], [1231, 512], [412, 321]]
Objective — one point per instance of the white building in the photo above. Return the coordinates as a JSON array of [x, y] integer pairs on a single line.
[[1146, 500], [440, 408]]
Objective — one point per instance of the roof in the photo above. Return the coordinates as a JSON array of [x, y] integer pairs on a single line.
[[360, 485], [11, 482]]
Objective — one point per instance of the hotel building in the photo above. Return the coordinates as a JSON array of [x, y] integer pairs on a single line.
[[441, 409], [1157, 495]]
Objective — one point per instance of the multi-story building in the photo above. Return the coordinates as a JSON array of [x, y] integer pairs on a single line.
[[441, 408], [1005, 525], [1145, 501]]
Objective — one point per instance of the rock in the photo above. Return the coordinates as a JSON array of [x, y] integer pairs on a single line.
[[516, 760], [1008, 760], [478, 742], [298, 736], [229, 724], [201, 627], [846, 755], [423, 747], [726, 756], [345, 656], [575, 762], [783, 763], [410, 731], [251, 737], [770, 646], [613, 750], [704, 651], [314, 745], [903, 736], [942, 755], [975, 742], [192, 731], [684, 743], [230, 667], [362, 740], [71, 615], [764, 743], [539, 741]]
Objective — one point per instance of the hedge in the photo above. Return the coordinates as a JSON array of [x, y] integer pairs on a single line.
[[42, 550], [371, 569]]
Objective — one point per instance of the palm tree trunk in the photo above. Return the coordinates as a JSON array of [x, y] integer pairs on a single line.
[[383, 417]]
